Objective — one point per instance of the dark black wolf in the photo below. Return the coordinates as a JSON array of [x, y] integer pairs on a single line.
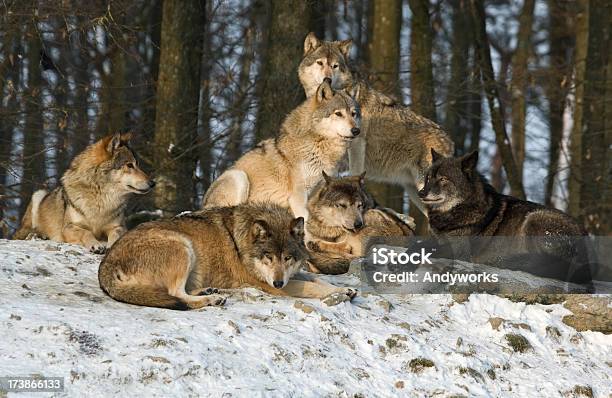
[[460, 202]]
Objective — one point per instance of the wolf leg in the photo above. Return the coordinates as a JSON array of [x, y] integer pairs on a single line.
[[113, 233], [316, 289], [75, 234], [186, 256], [231, 189], [297, 202], [341, 247], [357, 154], [414, 197]]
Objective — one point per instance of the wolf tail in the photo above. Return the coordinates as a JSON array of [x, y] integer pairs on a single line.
[[145, 295], [29, 222], [329, 264]]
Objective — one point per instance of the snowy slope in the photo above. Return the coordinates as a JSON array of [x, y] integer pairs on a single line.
[[55, 321]]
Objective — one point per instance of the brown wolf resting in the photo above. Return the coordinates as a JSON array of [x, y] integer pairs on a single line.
[[461, 203], [87, 208], [343, 216], [172, 263], [395, 143], [313, 138]]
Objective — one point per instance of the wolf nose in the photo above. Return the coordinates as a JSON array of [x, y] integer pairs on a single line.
[[278, 284], [422, 193], [358, 224], [151, 183], [355, 131], [328, 80]]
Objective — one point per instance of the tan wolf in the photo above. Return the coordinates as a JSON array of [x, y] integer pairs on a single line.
[[395, 144], [173, 263], [343, 215], [87, 208], [313, 138]]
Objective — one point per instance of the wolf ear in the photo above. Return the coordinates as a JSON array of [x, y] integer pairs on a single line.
[[311, 43], [297, 228], [354, 91], [126, 137], [362, 178], [325, 92], [326, 178], [114, 143], [469, 161], [345, 47], [435, 155], [259, 230]]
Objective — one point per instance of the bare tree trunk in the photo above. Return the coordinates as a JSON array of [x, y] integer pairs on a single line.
[[112, 116], [360, 8], [560, 34], [518, 87], [10, 73], [177, 103], [205, 111], [33, 136], [421, 80], [475, 102], [79, 132], [281, 91], [595, 191], [455, 122], [385, 21], [154, 32], [580, 60], [319, 11], [421, 72], [491, 91]]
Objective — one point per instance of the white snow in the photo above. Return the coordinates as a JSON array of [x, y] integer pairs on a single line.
[[55, 321]]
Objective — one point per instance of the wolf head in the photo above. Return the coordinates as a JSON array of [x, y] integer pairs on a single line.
[[341, 202], [120, 166], [450, 181], [324, 59], [335, 114], [274, 245]]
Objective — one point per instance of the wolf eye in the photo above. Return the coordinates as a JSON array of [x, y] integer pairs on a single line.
[[335, 66], [341, 205], [359, 205], [288, 258], [130, 165], [268, 256], [338, 113], [320, 63], [353, 113]]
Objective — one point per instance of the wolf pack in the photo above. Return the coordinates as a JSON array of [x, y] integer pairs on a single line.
[[282, 208]]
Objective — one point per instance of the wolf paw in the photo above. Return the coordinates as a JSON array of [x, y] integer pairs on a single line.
[[98, 249], [340, 297], [36, 236], [216, 300], [207, 291], [313, 246]]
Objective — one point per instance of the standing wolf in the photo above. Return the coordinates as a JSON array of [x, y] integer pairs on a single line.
[[395, 143], [87, 208], [172, 263], [461, 203], [343, 215], [313, 138]]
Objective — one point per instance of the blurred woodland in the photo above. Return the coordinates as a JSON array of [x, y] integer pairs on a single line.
[[198, 82]]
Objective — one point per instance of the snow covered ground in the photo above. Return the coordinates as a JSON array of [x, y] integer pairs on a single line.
[[55, 321]]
